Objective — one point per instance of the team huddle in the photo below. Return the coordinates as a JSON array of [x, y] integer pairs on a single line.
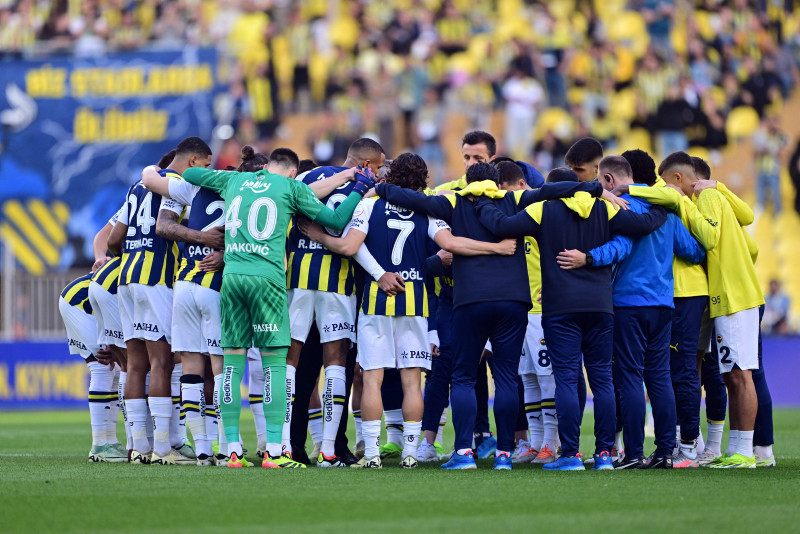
[[643, 284]]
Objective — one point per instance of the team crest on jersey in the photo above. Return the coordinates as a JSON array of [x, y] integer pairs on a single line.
[[541, 342], [146, 327], [719, 339], [256, 186]]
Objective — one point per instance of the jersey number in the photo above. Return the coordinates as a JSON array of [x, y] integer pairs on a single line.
[[144, 215], [232, 221], [725, 352], [210, 209], [544, 358], [405, 227]]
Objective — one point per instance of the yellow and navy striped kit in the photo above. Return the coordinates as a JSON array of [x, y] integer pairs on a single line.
[[147, 259], [207, 212], [108, 275], [312, 266], [77, 293]]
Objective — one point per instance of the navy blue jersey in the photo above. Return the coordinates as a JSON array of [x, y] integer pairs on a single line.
[[398, 240], [310, 265]]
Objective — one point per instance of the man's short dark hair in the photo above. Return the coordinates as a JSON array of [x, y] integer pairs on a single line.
[[584, 151], [166, 159], [365, 149], [616, 166], [481, 171], [509, 173], [306, 165], [193, 146], [561, 174], [285, 157], [408, 170], [642, 165], [674, 160], [701, 168], [479, 137]]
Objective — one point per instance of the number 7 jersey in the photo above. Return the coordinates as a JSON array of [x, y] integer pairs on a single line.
[[147, 259]]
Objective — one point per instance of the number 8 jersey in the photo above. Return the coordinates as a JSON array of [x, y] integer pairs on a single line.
[[147, 259], [397, 238]]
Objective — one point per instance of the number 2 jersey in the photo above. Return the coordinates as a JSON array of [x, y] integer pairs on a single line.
[[207, 212], [312, 266], [147, 259], [398, 240]]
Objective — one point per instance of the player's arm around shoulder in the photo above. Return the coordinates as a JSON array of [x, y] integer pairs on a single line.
[[210, 178]]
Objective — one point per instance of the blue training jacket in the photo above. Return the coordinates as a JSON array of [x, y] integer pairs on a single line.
[[642, 273]]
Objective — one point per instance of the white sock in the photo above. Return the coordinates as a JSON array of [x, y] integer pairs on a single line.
[[162, 411], [149, 423], [411, 432], [701, 444], [442, 422], [113, 408], [356, 420], [764, 451], [394, 426], [677, 447], [372, 438], [234, 447], [194, 406], [462, 452], [137, 420], [274, 449], [256, 400], [212, 432], [618, 442], [286, 435], [177, 424], [745, 443], [715, 436], [123, 378], [332, 406], [221, 439], [100, 397], [315, 425], [533, 409], [733, 443], [549, 416]]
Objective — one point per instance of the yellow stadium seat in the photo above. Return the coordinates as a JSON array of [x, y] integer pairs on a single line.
[[742, 122], [622, 105], [629, 29], [699, 152], [636, 138], [556, 120], [561, 8]]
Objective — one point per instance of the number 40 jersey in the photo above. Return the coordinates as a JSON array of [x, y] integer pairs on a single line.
[[398, 240], [147, 259]]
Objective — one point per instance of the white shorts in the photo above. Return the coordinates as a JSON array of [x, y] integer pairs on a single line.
[[106, 314], [81, 329], [737, 340], [335, 315], [146, 312], [535, 359], [196, 325], [706, 326], [399, 342]]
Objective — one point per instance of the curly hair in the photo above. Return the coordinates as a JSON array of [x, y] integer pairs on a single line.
[[408, 170]]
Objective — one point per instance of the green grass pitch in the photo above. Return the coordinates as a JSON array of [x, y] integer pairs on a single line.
[[47, 485]]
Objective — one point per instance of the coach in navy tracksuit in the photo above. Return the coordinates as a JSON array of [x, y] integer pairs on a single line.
[[488, 304], [643, 304], [577, 312]]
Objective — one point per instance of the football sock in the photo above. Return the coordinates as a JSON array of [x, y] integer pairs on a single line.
[[123, 378], [286, 434], [701, 444], [274, 365], [193, 404], [222, 440], [765, 451], [333, 406], [256, 399], [715, 436], [533, 409], [137, 419], [411, 432], [394, 426], [549, 416], [442, 423], [733, 443], [161, 409], [177, 425], [100, 397], [149, 422], [462, 452], [230, 399], [315, 425], [618, 442], [744, 444], [112, 414], [372, 438]]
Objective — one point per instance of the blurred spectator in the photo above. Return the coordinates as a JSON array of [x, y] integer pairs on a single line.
[[429, 123], [672, 118], [794, 174], [658, 16], [776, 311], [523, 96], [769, 143], [383, 96]]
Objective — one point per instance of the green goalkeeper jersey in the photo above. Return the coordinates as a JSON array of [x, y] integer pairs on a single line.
[[258, 208]]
